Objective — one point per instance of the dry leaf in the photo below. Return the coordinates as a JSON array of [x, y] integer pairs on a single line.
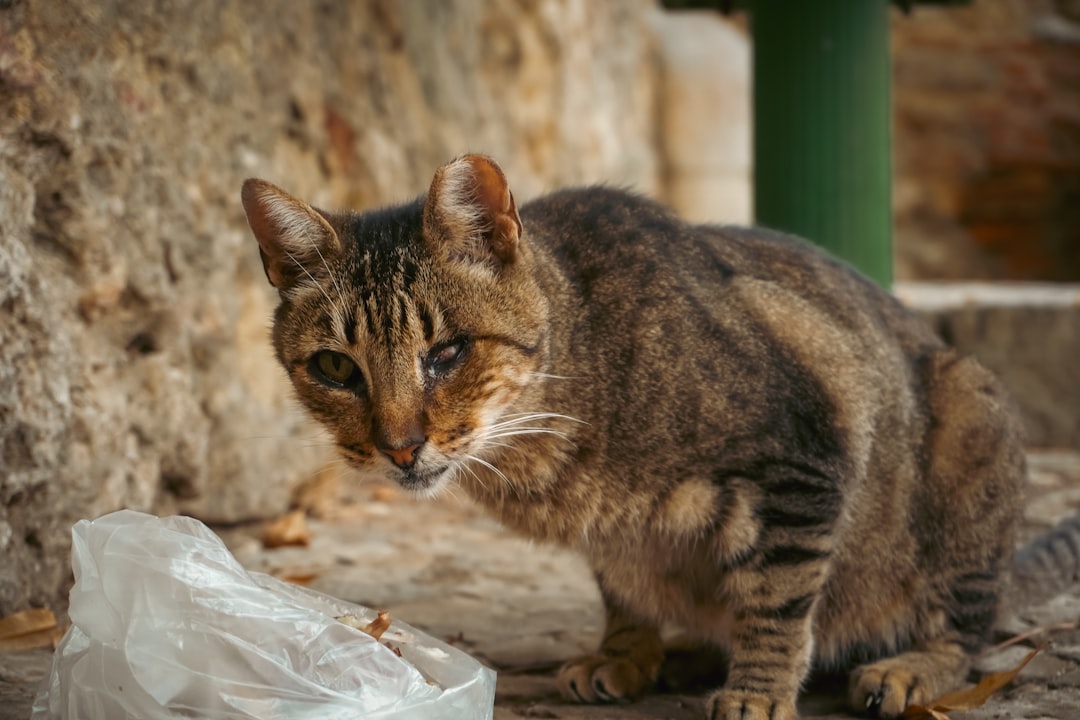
[[968, 698], [27, 629], [930, 713], [1022, 637], [378, 626], [299, 578], [375, 628], [26, 621], [290, 529]]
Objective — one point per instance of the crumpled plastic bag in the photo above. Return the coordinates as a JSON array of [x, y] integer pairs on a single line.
[[167, 624]]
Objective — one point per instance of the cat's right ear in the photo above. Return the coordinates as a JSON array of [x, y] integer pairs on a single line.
[[470, 212], [294, 239]]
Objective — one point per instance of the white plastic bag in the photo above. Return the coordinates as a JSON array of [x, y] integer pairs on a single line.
[[167, 624]]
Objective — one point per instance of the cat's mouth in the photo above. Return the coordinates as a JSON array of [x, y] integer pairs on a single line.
[[423, 478], [424, 481]]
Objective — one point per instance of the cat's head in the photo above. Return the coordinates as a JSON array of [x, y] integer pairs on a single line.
[[409, 331]]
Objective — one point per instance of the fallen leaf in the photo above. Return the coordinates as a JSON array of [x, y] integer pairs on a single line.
[[26, 621], [299, 578], [921, 712], [29, 641], [290, 529], [378, 626], [375, 628], [968, 698], [1022, 637], [27, 629]]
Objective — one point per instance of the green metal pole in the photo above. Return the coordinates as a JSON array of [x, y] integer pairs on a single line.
[[822, 126]]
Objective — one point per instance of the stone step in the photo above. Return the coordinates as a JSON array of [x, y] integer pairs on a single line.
[[1027, 333]]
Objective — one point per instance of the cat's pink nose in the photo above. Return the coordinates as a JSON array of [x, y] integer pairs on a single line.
[[403, 457]]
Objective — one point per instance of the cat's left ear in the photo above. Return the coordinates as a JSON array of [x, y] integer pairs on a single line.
[[470, 212], [294, 239]]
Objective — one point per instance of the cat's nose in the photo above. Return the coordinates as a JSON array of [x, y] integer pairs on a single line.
[[404, 457], [400, 441]]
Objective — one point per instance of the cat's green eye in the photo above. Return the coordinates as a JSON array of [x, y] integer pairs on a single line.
[[335, 369]]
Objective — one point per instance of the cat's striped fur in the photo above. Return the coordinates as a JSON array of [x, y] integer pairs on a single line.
[[742, 435]]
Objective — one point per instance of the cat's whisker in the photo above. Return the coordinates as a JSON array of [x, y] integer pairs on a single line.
[[337, 285], [549, 376], [530, 417], [479, 481], [311, 277], [484, 442], [525, 431], [491, 436], [493, 469], [451, 488], [447, 489], [538, 415], [503, 427], [483, 446]]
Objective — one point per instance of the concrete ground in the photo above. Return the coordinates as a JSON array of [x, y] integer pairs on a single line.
[[441, 566]]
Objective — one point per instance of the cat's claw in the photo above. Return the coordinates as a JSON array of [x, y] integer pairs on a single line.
[[885, 690], [598, 678], [735, 705], [873, 703]]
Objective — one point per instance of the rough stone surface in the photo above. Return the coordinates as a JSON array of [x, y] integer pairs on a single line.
[[1027, 333], [134, 367], [986, 99], [523, 608]]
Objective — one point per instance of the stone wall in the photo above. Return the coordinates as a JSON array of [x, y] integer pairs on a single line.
[[1028, 334], [987, 140], [134, 362]]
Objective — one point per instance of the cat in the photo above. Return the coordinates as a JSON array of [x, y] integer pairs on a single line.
[[742, 435]]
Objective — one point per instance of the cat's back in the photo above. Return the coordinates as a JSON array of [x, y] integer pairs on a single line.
[[619, 250]]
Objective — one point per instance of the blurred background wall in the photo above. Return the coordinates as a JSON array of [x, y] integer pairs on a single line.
[[134, 362], [987, 140]]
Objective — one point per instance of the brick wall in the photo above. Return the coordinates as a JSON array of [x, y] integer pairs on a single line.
[[987, 140]]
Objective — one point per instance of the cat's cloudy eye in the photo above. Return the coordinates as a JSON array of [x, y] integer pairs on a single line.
[[334, 368], [444, 357]]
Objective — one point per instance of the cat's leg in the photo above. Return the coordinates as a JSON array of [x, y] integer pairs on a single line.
[[884, 688], [964, 521], [626, 665], [936, 665], [773, 592], [771, 645]]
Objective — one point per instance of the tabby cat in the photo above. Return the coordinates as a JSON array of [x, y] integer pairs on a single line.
[[742, 435]]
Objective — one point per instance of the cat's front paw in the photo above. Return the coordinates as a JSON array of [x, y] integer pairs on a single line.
[[739, 705], [884, 689], [599, 678]]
